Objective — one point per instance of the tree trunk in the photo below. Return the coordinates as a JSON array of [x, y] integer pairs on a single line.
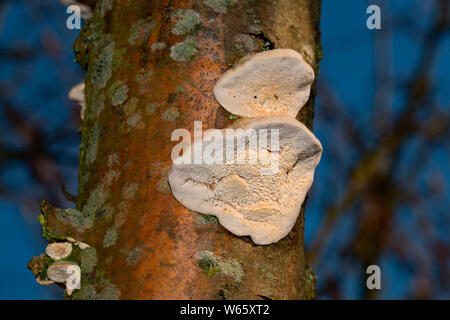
[[151, 69]]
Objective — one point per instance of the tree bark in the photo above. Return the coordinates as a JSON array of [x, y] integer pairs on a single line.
[[142, 82]]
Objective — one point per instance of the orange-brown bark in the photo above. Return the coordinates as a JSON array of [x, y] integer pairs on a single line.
[[148, 246]]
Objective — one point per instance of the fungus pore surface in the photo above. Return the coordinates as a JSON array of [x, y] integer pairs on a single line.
[[260, 199], [270, 82]]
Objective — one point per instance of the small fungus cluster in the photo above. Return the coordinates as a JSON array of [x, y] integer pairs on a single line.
[[56, 265], [77, 94]]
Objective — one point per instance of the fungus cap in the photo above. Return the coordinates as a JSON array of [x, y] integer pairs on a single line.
[[270, 82], [59, 250], [65, 272], [58, 271], [82, 245], [251, 198], [44, 282], [78, 95]]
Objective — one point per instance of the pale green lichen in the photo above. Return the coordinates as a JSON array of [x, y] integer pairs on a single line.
[[120, 95], [113, 160], [208, 219], [86, 292], [95, 201], [111, 236], [75, 218], [119, 60], [109, 177], [171, 114], [129, 191], [102, 66], [141, 30], [97, 105], [88, 259], [113, 87], [93, 207], [213, 265], [107, 212], [163, 184], [134, 121], [184, 51], [220, 6], [187, 22], [110, 292], [144, 75], [120, 217], [311, 280], [134, 256], [158, 46], [130, 106], [104, 6], [152, 107], [180, 89], [84, 179]]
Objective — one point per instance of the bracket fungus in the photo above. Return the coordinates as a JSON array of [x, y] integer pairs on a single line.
[[77, 94], [59, 250], [65, 272], [260, 199], [270, 156], [274, 81]]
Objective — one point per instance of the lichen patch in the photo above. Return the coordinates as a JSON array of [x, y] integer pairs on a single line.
[[110, 292], [220, 6], [92, 149], [102, 66], [134, 121], [111, 236], [120, 95], [186, 22], [158, 47], [214, 265], [171, 114], [151, 107], [134, 256], [141, 30], [88, 258], [129, 191], [184, 51]]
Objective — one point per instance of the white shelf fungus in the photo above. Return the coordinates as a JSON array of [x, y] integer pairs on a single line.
[[275, 81], [77, 94], [254, 180]]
